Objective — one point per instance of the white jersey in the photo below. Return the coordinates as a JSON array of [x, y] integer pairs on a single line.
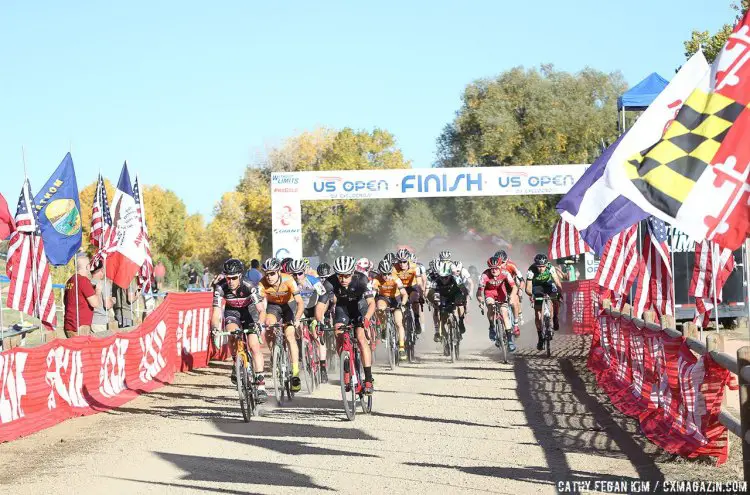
[[462, 277]]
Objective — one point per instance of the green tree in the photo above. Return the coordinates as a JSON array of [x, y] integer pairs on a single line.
[[527, 117], [713, 43]]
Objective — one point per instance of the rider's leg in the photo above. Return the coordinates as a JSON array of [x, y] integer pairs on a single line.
[[461, 315], [414, 297], [555, 312], [538, 323], [271, 319], [232, 342], [398, 319], [380, 307], [490, 302]]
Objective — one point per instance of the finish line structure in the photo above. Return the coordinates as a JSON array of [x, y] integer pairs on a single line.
[[289, 189]]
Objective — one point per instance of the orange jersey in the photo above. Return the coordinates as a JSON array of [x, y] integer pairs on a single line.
[[280, 293], [387, 286], [409, 276], [513, 269]]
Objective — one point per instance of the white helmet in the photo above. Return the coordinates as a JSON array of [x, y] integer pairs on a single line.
[[445, 269], [444, 256], [363, 265], [458, 266], [344, 265], [403, 255]]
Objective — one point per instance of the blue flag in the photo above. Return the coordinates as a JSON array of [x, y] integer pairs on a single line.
[[59, 211]]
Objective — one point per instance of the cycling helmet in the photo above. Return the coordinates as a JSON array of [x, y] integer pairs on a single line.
[[502, 255], [285, 264], [233, 266], [324, 270], [344, 265], [364, 265], [390, 257], [458, 266], [402, 255], [306, 261], [271, 265], [445, 269], [433, 265], [296, 266], [412, 256], [494, 262], [444, 256], [385, 267], [540, 259]]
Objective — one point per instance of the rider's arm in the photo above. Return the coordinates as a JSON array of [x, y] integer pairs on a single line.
[[556, 279], [370, 307], [403, 295], [217, 303], [216, 318], [300, 307], [528, 287]]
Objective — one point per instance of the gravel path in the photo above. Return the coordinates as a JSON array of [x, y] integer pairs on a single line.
[[474, 426]]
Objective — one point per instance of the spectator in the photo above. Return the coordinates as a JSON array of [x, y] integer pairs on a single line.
[[206, 279], [123, 306], [192, 278], [254, 275], [160, 271], [103, 289], [79, 313]]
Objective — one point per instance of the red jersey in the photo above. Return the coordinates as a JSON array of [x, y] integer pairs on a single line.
[[497, 288]]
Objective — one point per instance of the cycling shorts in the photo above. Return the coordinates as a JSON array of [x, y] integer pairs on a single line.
[[351, 313], [541, 290], [390, 302], [415, 293], [242, 317], [284, 313], [309, 312]]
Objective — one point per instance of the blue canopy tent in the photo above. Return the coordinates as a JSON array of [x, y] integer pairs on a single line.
[[640, 96]]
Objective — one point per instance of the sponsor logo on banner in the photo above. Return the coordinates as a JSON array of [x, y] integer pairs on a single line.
[[281, 253], [65, 377], [529, 183], [192, 330], [13, 386], [679, 242], [112, 370], [152, 361], [359, 188], [286, 215], [285, 180], [286, 189], [439, 183], [287, 231]]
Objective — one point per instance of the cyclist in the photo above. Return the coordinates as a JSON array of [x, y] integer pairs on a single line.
[[243, 307], [284, 304], [407, 272], [364, 266], [445, 290], [285, 265], [515, 302], [497, 286], [390, 293], [540, 280], [355, 303], [315, 297], [462, 275]]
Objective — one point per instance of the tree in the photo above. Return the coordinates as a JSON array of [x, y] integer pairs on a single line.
[[527, 117], [713, 43]]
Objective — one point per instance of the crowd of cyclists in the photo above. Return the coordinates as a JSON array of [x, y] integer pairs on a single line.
[[360, 292]]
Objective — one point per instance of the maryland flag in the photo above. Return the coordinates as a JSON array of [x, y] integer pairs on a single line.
[[696, 176]]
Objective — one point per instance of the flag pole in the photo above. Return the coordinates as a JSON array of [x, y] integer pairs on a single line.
[[714, 259], [34, 250], [101, 241]]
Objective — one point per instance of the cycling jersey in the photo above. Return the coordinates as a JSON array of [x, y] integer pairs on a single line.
[[245, 295], [312, 291], [351, 301], [450, 290], [462, 276], [540, 276], [387, 286], [408, 275], [280, 293], [420, 269], [496, 288], [513, 269]]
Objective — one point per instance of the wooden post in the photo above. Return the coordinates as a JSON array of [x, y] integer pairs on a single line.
[[606, 304], [649, 316], [667, 321], [627, 311], [743, 359]]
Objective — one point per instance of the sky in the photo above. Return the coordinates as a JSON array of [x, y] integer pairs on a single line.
[[190, 93]]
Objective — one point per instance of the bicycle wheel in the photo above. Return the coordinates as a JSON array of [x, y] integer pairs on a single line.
[[502, 338], [278, 374], [391, 347], [316, 365], [548, 336], [332, 359], [306, 365], [451, 335], [242, 387], [409, 334], [364, 400], [288, 373], [456, 339], [347, 395]]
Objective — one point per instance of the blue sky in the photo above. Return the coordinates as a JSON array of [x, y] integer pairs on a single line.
[[190, 92]]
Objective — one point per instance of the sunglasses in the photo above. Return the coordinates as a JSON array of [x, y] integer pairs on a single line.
[[299, 274], [345, 275], [234, 277], [271, 274]]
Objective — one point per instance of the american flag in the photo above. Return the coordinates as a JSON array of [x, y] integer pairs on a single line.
[[566, 241], [30, 288], [708, 260], [655, 283], [101, 220], [619, 263], [147, 269]]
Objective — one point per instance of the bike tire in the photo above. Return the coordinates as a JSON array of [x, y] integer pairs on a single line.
[[316, 366], [392, 347], [451, 337], [241, 373], [288, 378], [306, 367], [456, 340], [409, 334], [365, 401], [278, 375], [503, 340], [347, 396], [332, 358], [547, 336]]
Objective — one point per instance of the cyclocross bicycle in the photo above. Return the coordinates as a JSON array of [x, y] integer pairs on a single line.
[[449, 331], [309, 355], [352, 375], [502, 334], [410, 333], [546, 322], [243, 367], [281, 364]]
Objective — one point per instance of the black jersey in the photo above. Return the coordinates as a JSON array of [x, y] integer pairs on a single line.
[[359, 289], [244, 296]]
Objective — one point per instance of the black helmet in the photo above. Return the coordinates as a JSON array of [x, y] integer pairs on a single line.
[[385, 267], [502, 255], [540, 259], [285, 264], [233, 266], [324, 270], [271, 265], [390, 257]]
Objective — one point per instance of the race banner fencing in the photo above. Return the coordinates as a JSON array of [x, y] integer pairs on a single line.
[[65, 378], [579, 308], [657, 379]]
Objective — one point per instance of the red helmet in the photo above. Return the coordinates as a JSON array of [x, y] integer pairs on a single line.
[[494, 262]]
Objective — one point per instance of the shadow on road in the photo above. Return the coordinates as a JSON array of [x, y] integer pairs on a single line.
[[286, 446], [441, 421], [289, 429]]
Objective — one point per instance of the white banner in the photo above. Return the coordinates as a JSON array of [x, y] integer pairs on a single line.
[[288, 189]]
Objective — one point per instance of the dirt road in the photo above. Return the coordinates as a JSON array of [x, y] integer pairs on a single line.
[[473, 426]]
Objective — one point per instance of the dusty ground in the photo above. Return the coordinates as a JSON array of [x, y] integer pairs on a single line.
[[473, 426]]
